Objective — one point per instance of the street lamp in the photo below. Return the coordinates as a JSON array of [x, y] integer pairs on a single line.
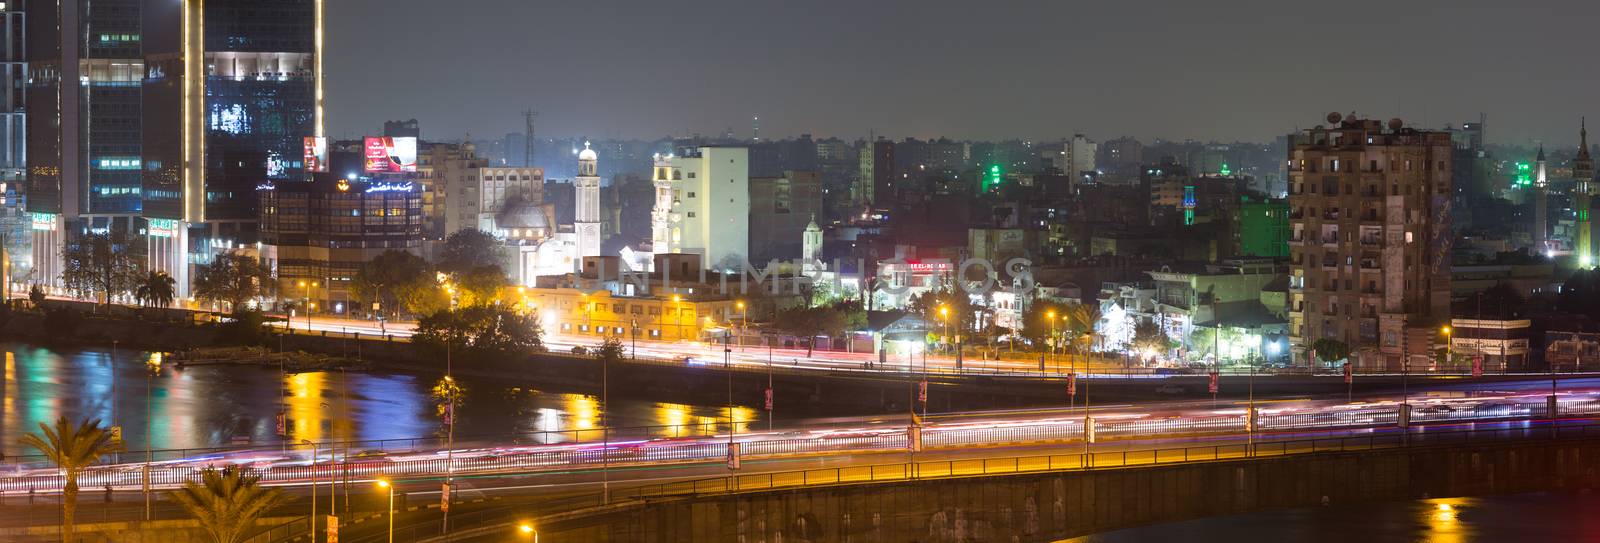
[[944, 316], [528, 531], [385, 484], [313, 445], [1449, 346], [677, 314], [153, 368], [743, 321], [1052, 314]]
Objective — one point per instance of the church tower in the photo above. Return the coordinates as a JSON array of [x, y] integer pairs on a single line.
[[1583, 198], [1541, 186], [811, 247], [586, 221]]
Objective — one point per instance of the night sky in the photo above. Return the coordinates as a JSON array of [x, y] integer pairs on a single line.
[[1175, 69]]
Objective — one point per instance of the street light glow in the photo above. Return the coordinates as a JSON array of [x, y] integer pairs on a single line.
[[383, 483], [525, 528]]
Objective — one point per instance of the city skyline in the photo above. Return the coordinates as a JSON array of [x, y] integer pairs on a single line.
[[1174, 72]]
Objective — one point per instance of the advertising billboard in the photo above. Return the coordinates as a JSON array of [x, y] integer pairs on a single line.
[[391, 155], [316, 157]]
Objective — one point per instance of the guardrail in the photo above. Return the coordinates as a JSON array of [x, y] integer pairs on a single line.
[[1119, 459], [953, 435]]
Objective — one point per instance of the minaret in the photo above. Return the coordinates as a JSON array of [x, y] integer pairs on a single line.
[[586, 221], [1540, 213], [1582, 197], [811, 247]]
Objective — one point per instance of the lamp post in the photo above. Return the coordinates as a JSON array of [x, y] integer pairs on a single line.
[[743, 321], [944, 317], [450, 441], [1449, 346], [1053, 340], [153, 368], [677, 314], [385, 484], [313, 487]]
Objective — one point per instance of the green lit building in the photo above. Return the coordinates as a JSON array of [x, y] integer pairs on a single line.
[[1263, 227]]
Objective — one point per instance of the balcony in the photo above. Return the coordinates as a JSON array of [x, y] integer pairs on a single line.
[[1330, 215], [1371, 217], [1330, 240], [1372, 240], [1369, 264]]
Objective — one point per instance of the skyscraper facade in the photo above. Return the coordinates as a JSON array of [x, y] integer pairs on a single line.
[[231, 89], [1370, 236]]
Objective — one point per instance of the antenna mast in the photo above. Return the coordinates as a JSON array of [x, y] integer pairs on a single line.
[[528, 139]]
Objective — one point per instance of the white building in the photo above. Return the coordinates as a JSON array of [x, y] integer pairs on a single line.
[[703, 205]]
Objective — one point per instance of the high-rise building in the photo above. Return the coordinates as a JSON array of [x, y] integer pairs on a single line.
[[85, 63], [230, 90], [875, 186], [586, 219], [1370, 241], [1583, 198], [703, 205], [316, 234]]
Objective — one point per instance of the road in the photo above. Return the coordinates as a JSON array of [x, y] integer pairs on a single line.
[[1184, 421]]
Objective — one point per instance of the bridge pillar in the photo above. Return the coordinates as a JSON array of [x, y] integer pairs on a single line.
[[1550, 406], [1405, 415]]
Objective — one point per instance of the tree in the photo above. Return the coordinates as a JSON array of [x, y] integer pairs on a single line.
[[72, 448], [447, 395], [468, 249], [1149, 337], [1329, 349], [102, 263], [480, 331], [610, 351], [228, 501], [392, 278], [157, 289], [232, 278], [481, 285], [811, 322], [946, 307], [36, 296]]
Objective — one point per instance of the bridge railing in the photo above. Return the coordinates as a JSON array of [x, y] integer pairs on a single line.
[[926, 469]]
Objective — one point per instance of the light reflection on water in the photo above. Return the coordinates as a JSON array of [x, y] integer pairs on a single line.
[[1526, 517], [209, 406]]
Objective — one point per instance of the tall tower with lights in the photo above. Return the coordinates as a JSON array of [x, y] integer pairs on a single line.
[[1583, 198], [586, 222], [1541, 186]]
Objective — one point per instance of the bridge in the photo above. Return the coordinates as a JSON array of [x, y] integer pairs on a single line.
[[1054, 497]]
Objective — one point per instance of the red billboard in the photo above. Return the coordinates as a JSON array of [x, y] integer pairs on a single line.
[[316, 156], [391, 155]]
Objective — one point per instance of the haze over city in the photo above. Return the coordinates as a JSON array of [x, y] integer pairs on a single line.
[[1210, 71]]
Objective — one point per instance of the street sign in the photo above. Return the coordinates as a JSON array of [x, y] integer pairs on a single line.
[[116, 433], [333, 529], [922, 392], [283, 424], [769, 398], [444, 497]]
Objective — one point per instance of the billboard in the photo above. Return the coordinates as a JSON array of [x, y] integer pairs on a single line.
[[316, 157], [391, 155]]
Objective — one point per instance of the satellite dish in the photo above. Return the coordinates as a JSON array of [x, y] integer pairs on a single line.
[[1334, 117], [1396, 123]]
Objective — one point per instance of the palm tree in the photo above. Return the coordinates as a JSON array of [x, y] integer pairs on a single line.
[[156, 289], [72, 448], [227, 502]]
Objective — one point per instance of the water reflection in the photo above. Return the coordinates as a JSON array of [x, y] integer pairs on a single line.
[[209, 406]]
